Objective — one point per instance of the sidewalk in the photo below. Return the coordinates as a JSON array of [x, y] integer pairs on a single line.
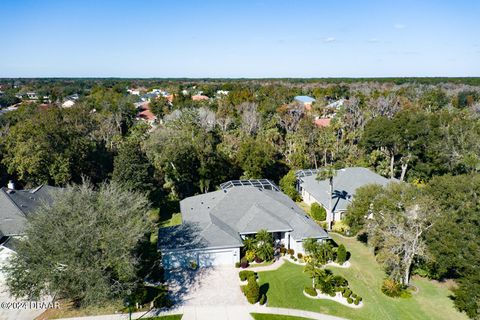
[[240, 312]]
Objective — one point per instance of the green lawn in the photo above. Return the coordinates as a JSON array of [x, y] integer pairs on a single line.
[[285, 289], [265, 316]]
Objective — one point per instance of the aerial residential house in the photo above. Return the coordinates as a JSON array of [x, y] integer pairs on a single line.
[[322, 122], [306, 101], [144, 113], [32, 95], [216, 223], [15, 208], [70, 100], [199, 97], [345, 184]]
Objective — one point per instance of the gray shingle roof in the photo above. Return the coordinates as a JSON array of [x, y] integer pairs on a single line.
[[345, 184], [220, 217], [17, 205]]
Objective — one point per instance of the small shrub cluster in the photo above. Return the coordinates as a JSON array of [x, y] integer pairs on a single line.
[[237, 264], [299, 255], [246, 274], [250, 255], [283, 250], [310, 291], [252, 290], [244, 263], [391, 288], [291, 252]]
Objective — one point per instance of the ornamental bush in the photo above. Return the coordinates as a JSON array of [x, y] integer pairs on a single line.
[[252, 290], [341, 254], [310, 291], [291, 252], [391, 288], [317, 212], [349, 300], [245, 274], [347, 293], [250, 255], [299, 255]]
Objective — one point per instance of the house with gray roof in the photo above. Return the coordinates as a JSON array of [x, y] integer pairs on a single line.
[[345, 183], [16, 206], [216, 223]]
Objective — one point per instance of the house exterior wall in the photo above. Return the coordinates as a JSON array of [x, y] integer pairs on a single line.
[[309, 199]]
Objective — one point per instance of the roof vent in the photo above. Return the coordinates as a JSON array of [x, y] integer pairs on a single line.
[[11, 185]]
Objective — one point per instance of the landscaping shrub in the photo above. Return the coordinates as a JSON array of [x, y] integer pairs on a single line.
[[252, 290], [341, 254], [258, 260], [299, 255], [250, 255], [237, 264], [245, 274], [347, 293], [283, 250], [357, 300], [339, 281], [317, 212], [263, 299], [292, 257], [332, 294], [349, 300], [391, 288], [310, 291], [244, 264], [326, 286], [291, 252]]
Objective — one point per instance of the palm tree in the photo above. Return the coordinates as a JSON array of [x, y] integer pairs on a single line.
[[314, 271], [250, 244], [264, 242], [328, 172]]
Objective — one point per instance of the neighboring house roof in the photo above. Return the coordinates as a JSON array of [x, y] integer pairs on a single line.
[[199, 97], [217, 219], [17, 205], [305, 99], [322, 122], [345, 184]]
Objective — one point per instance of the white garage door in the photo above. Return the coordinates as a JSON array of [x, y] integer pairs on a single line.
[[206, 258], [215, 258]]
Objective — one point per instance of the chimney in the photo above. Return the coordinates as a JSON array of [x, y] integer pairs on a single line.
[[11, 185]]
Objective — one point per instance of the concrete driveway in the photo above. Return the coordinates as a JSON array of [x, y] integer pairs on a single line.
[[11, 309], [214, 286]]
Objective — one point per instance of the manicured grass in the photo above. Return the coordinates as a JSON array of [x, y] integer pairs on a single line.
[[285, 290], [265, 316], [170, 317]]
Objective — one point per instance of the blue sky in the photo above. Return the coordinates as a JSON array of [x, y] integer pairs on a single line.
[[277, 38]]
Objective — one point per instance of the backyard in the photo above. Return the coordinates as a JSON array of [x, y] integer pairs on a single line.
[[285, 289]]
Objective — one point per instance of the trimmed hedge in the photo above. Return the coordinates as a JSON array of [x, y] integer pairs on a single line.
[[245, 274], [349, 300], [252, 290], [310, 291]]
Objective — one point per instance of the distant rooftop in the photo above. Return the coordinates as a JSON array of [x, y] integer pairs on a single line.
[[304, 99]]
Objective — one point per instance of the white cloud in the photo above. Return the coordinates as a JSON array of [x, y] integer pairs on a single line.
[[399, 26], [329, 39]]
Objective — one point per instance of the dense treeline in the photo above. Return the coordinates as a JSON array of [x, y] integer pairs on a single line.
[[422, 131]]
